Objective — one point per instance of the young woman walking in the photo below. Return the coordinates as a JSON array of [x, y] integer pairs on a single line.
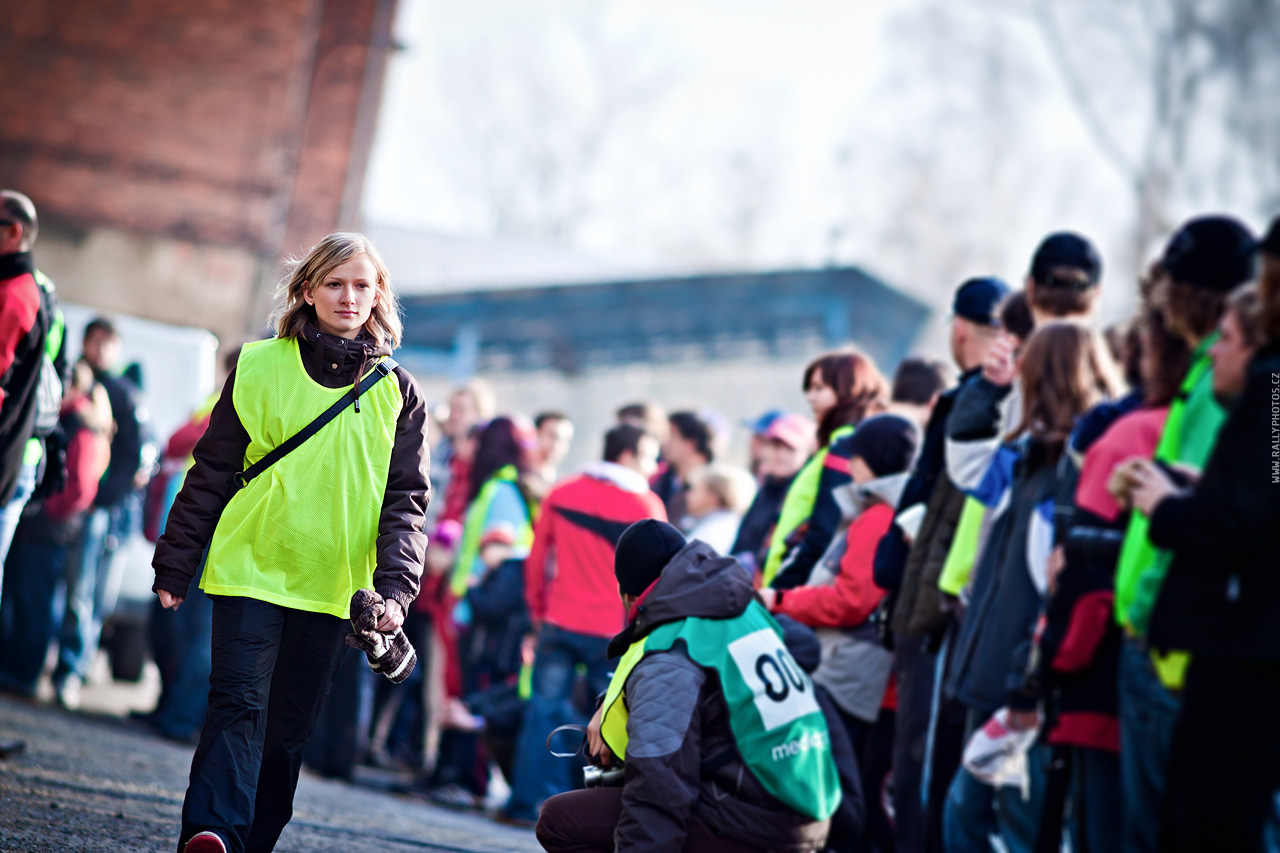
[[287, 548]]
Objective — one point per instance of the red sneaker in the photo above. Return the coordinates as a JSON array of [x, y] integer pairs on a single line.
[[205, 842]]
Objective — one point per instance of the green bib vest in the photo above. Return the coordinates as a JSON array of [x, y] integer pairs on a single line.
[[303, 534], [473, 530], [776, 722], [797, 506], [1189, 434]]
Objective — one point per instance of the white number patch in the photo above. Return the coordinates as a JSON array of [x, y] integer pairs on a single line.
[[781, 689]]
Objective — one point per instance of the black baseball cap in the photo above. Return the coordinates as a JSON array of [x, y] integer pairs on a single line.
[[1066, 249], [1213, 253], [978, 300]]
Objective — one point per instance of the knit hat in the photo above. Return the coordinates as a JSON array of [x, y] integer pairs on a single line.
[[1213, 253], [501, 534], [448, 534], [886, 443], [643, 551]]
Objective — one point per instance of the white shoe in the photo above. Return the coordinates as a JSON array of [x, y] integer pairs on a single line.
[[68, 693], [205, 842]]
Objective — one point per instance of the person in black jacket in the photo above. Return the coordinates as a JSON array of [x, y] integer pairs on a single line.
[[975, 325], [1219, 601], [784, 446]]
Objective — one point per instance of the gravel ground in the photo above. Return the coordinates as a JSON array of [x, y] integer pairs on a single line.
[[94, 782]]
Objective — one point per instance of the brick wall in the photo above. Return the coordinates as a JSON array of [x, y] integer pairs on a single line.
[[219, 123]]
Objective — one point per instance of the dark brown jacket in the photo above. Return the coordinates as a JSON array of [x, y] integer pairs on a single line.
[[402, 541], [681, 755]]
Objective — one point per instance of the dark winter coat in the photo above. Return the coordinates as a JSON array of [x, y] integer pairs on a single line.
[[756, 531], [1221, 597], [681, 755], [848, 821], [127, 443], [23, 329], [992, 652], [219, 455], [499, 621]]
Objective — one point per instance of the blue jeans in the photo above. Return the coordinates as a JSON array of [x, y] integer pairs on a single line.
[[1148, 712], [36, 568], [11, 513], [539, 774], [184, 699], [975, 811], [93, 584]]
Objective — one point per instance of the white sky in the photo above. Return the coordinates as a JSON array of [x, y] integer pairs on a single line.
[[790, 82]]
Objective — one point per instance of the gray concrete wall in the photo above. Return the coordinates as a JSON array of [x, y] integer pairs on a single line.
[[155, 278]]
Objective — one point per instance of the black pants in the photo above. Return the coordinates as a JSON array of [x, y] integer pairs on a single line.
[[272, 668], [1224, 763], [873, 743], [583, 822]]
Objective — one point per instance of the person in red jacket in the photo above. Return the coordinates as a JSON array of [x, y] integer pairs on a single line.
[[855, 670], [24, 327], [573, 601], [42, 544]]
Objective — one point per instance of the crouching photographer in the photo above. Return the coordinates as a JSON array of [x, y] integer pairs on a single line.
[[720, 740]]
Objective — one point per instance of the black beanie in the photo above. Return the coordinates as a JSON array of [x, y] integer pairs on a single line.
[[887, 443], [1211, 253], [643, 551]]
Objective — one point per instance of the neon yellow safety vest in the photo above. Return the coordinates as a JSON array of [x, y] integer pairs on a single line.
[[303, 534], [774, 716], [473, 529], [797, 506]]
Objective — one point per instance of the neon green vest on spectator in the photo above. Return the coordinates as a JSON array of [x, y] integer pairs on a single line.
[[473, 529], [303, 534], [1195, 417], [797, 506], [776, 722]]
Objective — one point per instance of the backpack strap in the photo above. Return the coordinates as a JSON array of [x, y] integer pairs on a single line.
[[380, 369]]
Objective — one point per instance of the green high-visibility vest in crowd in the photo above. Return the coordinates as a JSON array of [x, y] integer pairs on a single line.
[[303, 534], [473, 529], [774, 715], [1190, 432], [797, 506]]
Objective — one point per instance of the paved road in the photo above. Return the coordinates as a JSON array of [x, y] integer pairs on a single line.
[[93, 782]]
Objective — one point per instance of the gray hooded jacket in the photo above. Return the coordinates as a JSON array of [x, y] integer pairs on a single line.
[[681, 757]]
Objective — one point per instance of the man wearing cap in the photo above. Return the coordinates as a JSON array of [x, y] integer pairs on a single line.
[[785, 444], [1202, 263], [758, 426], [1064, 283], [910, 572], [723, 744]]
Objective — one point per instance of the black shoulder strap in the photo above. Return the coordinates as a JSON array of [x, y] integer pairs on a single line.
[[381, 369]]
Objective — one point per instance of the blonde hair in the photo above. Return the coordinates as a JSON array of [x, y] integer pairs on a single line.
[[733, 487], [384, 324]]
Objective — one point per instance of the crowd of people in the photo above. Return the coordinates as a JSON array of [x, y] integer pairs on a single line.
[[1023, 604]]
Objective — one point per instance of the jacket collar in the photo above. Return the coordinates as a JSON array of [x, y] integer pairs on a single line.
[[617, 475], [16, 264]]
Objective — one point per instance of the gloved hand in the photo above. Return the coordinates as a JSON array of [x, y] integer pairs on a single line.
[[390, 654]]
